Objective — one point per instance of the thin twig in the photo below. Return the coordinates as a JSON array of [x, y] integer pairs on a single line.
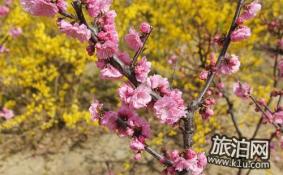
[[263, 112], [231, 112], [135, 59], [226, 44]]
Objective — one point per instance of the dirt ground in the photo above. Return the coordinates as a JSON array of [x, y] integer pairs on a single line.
[[93, 156]]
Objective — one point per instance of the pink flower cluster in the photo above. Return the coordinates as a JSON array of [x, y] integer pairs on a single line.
[[43, 7], [229, 65], [125, 122], [76, 30], [133, 40], [7, 113], [189, 161], [95, 110], [169, 108], [274, 117], [243, 32], [95, 7], [206, 110], [242, 90]]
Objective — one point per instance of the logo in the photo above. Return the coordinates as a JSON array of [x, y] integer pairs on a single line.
[[239, 153]]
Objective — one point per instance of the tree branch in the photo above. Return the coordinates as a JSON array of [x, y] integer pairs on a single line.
[[188, 135], [135, 59], [231, 112]]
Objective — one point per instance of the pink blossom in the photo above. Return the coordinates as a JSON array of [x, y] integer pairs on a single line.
[[250, 12], [175, 154], [108, 18], [229, 65], [202, 160], [94, 7], [133, 40], [125, 92], [7, 113], [209, 101], [109, 34], [109, 72], [242, 90], [62, 5], [15, 32], [206, 113], [80, 32], [141, 97], [190, 154], [124, 57], [138, 156], [145, 27], [220, 85], [241, 33], [203, 75], [136, 145], [158, 83], [110, 120], [120, 121], [140, 126], [190, 161], [280, 67], [170, 108], [4, 11], [278, 117], [181, 164], [142, 69], [40, 7], [172, 59], [105, 50], [95, 110]]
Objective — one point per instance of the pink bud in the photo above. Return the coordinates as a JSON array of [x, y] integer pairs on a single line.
[[250, 12], [206, 113], [209, 101], [138, 156], [241, 33], [262, 101], [145, 27], [172, 59], [203, 75], [220, 85], [242, 90]]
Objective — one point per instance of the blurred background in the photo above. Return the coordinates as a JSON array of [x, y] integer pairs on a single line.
[[49, 81]]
